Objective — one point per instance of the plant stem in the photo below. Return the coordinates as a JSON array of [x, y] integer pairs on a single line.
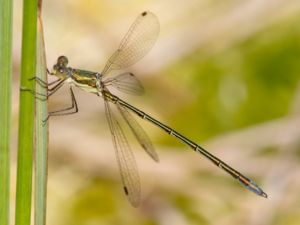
[[26, 113], [6, 13]]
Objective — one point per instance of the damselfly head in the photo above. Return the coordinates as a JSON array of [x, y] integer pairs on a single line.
[[62, 61], [60, 68]]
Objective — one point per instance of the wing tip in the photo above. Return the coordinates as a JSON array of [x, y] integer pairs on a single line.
[[134, 201]]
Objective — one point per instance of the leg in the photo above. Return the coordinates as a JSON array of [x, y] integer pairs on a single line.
[[51, 91], [62, 112], [37, 95], [43, 83]]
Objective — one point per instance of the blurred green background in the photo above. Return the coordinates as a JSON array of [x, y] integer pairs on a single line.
[[223, 73]]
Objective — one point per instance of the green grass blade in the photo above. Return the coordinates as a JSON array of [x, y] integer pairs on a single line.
[[26, 114], [6, 13], [41, 135]]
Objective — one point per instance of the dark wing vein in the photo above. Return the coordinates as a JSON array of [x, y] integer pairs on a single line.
[[125, 82], [125, 159], [139, 39], [139, 133]]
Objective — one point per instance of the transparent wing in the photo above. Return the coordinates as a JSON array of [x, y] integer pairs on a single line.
[[125, 82], [139, 133], [126, 162], [139, 39]]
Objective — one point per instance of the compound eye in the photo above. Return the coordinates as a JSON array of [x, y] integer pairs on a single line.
[[62, 60], [61, 70]]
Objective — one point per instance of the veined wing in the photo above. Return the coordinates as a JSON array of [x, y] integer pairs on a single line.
[[139, 39], [139, 133], [125, 158], [125, 82]]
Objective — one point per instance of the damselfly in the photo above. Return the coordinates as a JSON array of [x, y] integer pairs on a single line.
[[137, 42]]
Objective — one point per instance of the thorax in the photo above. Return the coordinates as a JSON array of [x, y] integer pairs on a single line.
[[86, 80]]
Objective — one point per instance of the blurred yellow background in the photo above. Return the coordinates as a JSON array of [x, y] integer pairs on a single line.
[[223, 73]]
